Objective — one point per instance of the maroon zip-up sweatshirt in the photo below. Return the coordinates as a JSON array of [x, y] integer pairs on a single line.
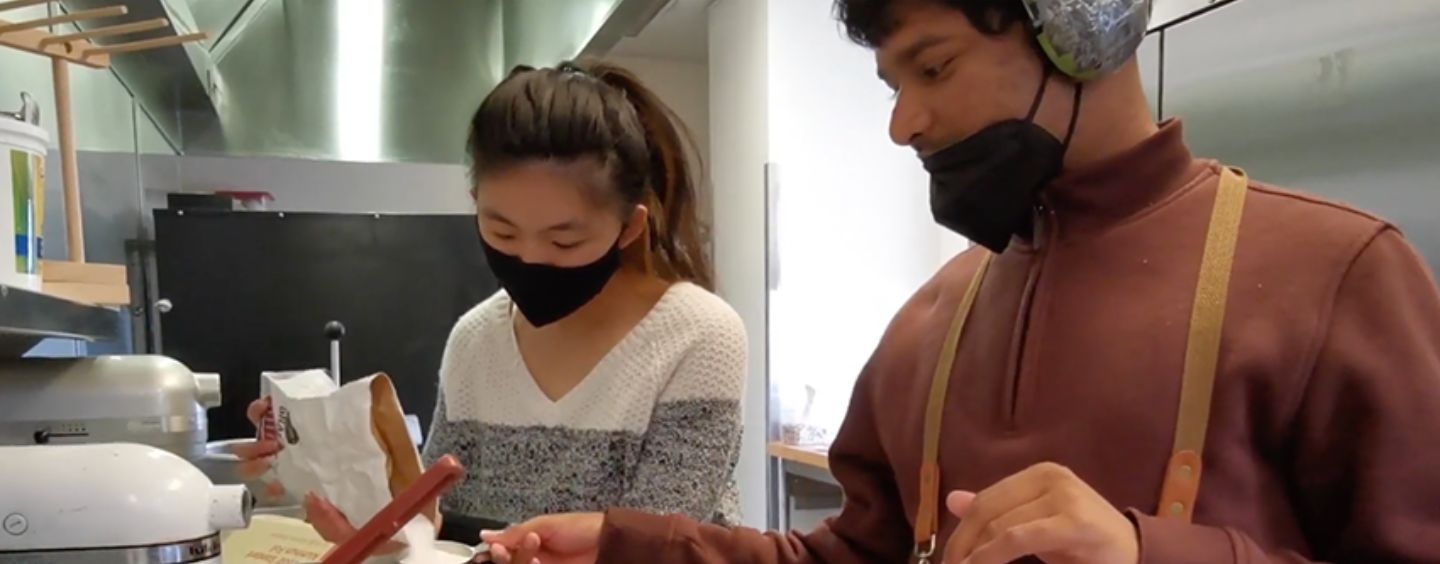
[[1324, 436]]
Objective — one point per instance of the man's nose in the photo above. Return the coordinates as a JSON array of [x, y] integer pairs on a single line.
[[908, 121]]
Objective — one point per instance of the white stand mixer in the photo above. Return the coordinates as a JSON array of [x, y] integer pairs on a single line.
[[109, 503]]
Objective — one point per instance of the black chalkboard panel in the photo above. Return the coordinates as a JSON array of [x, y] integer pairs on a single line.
[[252, 291]]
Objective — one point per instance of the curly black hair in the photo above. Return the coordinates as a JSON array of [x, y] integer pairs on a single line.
[[870, 22]]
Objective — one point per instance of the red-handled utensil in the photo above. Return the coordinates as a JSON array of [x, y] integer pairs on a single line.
[[439, 478]]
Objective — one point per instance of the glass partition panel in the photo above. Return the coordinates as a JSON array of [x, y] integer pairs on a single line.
[[1319, 96]]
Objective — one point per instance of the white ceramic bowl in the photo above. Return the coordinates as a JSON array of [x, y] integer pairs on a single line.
[[447, 552]]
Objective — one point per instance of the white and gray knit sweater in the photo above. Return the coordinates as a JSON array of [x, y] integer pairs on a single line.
[[655, 426]]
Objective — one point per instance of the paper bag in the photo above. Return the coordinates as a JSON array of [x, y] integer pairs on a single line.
[[349, 444]]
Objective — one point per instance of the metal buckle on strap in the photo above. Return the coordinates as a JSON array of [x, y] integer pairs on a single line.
[[923, 552]]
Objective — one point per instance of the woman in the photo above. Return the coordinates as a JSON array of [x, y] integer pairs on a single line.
[[604, 373]]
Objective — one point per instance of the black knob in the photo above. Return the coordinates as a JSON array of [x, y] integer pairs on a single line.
[[42, 437], [334, 331]]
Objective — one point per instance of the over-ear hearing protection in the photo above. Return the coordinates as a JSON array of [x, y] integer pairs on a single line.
[[1087, 39]]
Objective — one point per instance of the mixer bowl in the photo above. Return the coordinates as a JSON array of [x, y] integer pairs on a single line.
[[222, 466], [446, 552]]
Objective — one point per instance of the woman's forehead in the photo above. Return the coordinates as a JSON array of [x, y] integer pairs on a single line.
[[544, 194]]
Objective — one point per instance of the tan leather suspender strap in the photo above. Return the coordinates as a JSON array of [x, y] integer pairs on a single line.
[[1207, 317], [927, 519]]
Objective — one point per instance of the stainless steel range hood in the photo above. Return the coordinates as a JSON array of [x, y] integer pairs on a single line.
[[166, 81], [356, 80]]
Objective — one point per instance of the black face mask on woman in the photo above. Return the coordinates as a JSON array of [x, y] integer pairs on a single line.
[[985, 187], [546, 293]]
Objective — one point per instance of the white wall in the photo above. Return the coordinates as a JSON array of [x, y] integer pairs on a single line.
[[738, 125], [856, 236], [853, 227]]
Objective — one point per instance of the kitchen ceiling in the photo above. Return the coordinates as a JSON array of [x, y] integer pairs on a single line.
[[352, 80]]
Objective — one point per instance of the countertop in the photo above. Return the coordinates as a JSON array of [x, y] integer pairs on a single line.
[[816, 456]]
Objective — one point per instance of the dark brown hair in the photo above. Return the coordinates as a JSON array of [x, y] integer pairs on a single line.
[[870, 22], [597, 111]]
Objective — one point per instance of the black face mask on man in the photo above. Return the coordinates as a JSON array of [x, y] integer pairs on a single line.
[[546, 293], [985, 187]]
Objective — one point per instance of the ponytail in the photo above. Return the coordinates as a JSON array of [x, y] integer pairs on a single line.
[[676, 234]]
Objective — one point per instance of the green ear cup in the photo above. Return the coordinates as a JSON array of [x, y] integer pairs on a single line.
[[1086, 39]]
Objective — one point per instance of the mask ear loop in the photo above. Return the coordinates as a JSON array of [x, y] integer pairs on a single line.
[[1039, 94], [1074, 108], [1074, 114]]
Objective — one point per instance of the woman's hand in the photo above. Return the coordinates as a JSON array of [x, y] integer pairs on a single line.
[[554, 539], [327, 520], [255, 457], [334, 526]]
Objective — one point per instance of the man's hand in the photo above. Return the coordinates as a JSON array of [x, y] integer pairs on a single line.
[[1044, 511], [554, 539]]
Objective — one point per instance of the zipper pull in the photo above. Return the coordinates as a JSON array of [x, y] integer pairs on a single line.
[[1041, 225]]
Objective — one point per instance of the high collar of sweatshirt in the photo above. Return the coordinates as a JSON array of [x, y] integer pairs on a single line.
[[1115, 189]]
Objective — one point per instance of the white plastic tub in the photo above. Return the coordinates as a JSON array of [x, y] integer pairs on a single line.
[[22, 198], [446, 552]]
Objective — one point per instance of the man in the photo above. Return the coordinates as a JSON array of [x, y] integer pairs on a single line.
[[1063, 433]]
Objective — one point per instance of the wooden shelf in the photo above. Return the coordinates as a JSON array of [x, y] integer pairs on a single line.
[[86, 283], [34, 36], [815, 456], [41, 42]]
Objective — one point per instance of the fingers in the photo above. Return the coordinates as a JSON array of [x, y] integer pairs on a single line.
[[1036, 510], [1067, 521], [514, 545], [334, 526], [257, 410], [511, 536], [255, 458], [959, 502], [274, 492], [527, 551], [500, 555], [328, 521], [256, 449], [568, 537], [252, 469], [983, 508], [1025, 539]]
